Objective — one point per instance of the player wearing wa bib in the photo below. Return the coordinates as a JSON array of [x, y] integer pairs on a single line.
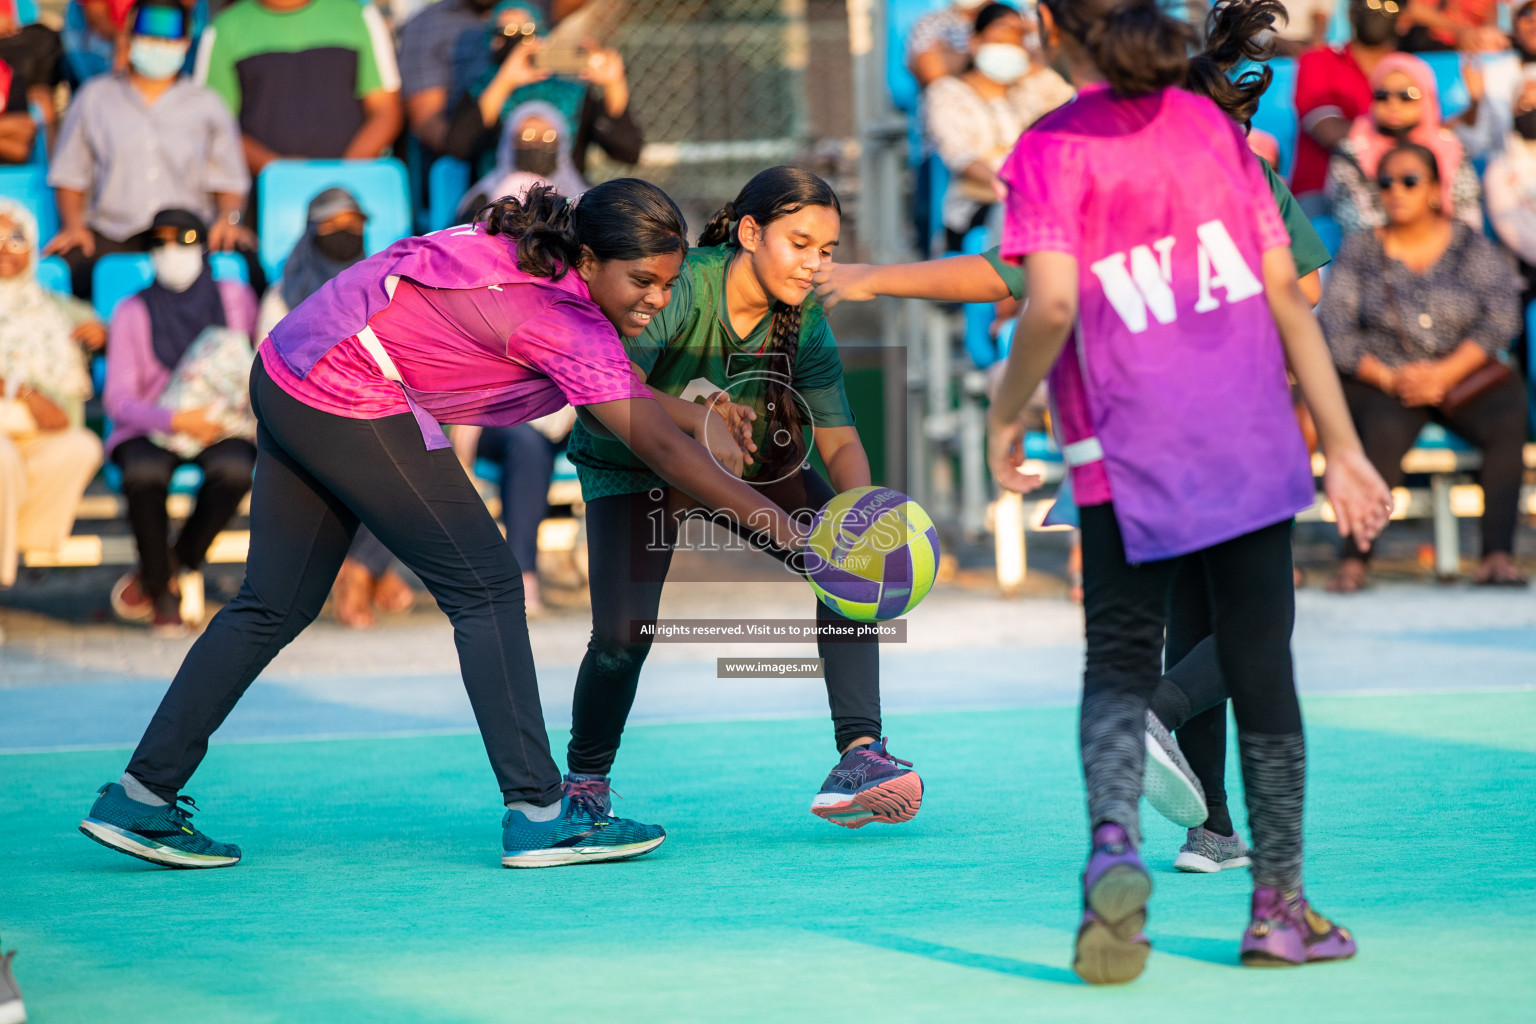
[[1171, 395], [1164, 301]]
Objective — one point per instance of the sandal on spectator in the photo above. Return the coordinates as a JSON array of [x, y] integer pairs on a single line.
[[392, 594], [353, 594], [1351, 577], [1499, 570]]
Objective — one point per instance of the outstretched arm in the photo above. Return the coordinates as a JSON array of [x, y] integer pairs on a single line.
[[951, 279]]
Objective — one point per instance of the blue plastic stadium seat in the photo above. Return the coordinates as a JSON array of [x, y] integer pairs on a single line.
[[490, 471], [1454, 98], [447, 182], [285, 187], [900, 16], [26, 12], [53, 274], [186, 480], [1530, 387], [28, 185], [121, 274], [1435, 436], [1041, 446], [1277, 111]]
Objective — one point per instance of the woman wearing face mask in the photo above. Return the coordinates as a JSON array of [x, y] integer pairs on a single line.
[[1504, 79], [743, 327], [492, 324], [151, 332], [141, 140], [1405, 108], [974, 119], [1411, 310], [46, 456], [535, 146], [495, 73]]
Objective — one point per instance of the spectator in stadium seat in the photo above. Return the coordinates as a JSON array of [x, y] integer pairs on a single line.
[[1332, 89], [426, 63], [307, 79], [1405, 106], [940, 41], [142, 140], [973, 120], [17, 129], [46, 456], [494, 73], [1505, 78], [535, 148], [1410, 309], [150, 333], [35, 53]]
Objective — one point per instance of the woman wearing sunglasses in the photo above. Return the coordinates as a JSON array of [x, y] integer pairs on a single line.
[[1405, 107], [1412, 309]]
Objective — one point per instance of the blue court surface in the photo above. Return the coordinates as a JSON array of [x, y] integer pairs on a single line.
[[372, 889]]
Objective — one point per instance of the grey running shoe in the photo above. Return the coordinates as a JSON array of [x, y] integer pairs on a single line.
[[1168, 782], [11, 1009], [1208, 852]]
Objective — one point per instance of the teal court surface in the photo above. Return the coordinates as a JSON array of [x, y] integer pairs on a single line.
[[372, 891]]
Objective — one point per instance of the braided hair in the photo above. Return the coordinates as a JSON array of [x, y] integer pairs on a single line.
[[622, 219], [771, 194]]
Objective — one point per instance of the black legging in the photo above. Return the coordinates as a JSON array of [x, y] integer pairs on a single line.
[[147, 471], [1495, 423], [628, 568], [317, 475], [1125, 608]]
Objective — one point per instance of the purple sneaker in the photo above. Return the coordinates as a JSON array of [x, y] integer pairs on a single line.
[[1287, 932], [867, 785], [1111, 948]]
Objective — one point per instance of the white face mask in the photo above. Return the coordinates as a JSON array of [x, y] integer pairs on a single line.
[[157, 59], [1004, 63], [177, 265]]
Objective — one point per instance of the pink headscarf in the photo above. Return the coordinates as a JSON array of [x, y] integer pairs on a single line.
[[1371, 145]]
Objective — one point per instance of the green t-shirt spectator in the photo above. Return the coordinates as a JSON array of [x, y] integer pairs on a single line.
[[296, 79]]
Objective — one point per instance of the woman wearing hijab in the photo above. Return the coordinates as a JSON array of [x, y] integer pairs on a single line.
[[46, 456], [1405, 107], [151, 332], [535, 147], [494, 74]]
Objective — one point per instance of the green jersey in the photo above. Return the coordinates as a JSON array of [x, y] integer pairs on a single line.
[[690, 350]]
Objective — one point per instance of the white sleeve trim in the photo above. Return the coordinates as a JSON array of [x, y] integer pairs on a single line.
[[383, 48]]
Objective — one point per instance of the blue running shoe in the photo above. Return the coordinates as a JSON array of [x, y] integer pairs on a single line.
[[584, 832], [1111, 948], [868, 785], [160, 834], [597, 786]]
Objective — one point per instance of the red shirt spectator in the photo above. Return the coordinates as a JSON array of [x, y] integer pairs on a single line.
[[1329, 83]]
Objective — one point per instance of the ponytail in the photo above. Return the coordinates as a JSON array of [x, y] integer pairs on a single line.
[[622, 219], [1237, 31], [771, 194], [1136, 47]]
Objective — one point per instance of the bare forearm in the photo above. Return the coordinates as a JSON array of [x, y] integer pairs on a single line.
[[1308, 355], [71, 207], [1037, 343], [686, 465], [1329, 132], [955, 279], [16, 134], [1469, 355], [689, 416], [379, 131], [257, 154]]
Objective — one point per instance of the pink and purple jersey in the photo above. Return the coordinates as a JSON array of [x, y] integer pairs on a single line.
[[471, 338], [1171, 395]]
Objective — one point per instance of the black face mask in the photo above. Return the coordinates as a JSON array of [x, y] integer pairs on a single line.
[[340, 246], [1396, 133], [1372, 29], [500, 47], [1525, 125], [482, 6], [540, 160]]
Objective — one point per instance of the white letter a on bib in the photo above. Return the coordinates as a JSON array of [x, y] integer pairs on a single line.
[[1222, 266]]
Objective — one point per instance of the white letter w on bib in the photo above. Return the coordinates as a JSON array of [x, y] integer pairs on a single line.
[[1148, 284], [1140, 282]]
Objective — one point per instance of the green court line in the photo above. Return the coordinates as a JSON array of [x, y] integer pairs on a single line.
[[372, 890]]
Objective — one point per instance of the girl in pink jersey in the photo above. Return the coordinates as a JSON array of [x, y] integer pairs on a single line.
[[495, 323], [1160, 274]]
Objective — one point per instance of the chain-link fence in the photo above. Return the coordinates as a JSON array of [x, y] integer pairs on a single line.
[[724, 88]]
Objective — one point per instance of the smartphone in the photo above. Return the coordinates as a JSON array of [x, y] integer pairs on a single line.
[[561, 60]]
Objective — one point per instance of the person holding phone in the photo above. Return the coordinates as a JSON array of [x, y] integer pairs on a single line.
[[508, 66]]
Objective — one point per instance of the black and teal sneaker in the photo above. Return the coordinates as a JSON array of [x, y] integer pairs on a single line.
[[160, 834], [584, 832]]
